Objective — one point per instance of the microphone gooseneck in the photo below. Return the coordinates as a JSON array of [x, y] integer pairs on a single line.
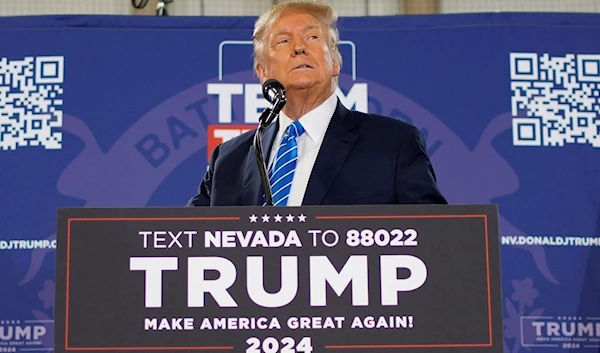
[[274, 93]]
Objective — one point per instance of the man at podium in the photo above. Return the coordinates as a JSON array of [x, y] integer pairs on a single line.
[[317, 151]]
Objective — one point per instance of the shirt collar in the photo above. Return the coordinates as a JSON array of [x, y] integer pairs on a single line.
[[315, 122]]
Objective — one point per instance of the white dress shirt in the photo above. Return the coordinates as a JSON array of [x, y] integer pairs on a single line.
[[315, 124]]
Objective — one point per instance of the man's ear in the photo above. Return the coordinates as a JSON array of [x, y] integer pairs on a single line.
[[261, 72], [336, 68]]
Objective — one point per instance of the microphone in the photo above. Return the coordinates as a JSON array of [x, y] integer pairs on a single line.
[[273, 90], [274, 93]]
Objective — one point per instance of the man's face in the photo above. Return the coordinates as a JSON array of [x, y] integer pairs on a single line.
[[297, 55]]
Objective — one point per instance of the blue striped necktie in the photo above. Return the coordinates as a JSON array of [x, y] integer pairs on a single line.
[[284, 165]]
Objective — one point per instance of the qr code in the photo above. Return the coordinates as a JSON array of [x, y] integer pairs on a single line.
[[30, 102], [555, 100]]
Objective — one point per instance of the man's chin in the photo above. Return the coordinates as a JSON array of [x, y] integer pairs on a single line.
[[301, 85]]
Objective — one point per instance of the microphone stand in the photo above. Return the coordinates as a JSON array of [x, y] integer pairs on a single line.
[[265, 119]]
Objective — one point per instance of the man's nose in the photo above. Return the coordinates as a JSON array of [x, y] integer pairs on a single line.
[[299, 48]]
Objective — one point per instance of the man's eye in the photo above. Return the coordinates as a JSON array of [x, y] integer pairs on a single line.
[[282, 41]]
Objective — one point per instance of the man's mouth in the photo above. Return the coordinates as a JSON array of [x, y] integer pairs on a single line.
[[303, 66]]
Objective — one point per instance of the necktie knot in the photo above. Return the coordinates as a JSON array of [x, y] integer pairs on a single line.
[[294, 130]]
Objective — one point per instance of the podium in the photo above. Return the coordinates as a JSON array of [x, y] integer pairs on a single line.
[[394, 278]]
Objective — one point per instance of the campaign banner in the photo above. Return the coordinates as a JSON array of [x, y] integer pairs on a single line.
[[301, 279]]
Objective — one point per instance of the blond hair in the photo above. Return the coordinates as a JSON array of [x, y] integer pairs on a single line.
[[320, 9]]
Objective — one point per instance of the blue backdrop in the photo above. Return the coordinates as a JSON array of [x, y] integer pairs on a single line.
[[123, 111]]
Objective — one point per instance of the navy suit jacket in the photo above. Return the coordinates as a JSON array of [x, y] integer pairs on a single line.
[[364, 159]]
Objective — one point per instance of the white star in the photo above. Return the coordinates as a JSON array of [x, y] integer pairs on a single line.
[[277, 218], [290, 218], [265, 218], [302, 218], [253, 219]]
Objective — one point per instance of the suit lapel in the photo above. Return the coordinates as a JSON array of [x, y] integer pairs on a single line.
[[252, 191], [337, 144]]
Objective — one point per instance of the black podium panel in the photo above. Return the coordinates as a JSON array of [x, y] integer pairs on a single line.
[[295, 279]]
